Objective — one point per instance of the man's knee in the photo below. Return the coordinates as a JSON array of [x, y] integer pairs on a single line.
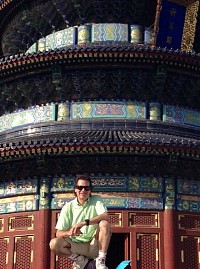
[[104, 225], [60, 247], [56, 244], [53, 244]]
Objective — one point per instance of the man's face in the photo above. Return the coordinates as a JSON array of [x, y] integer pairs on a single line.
[[82, 190]]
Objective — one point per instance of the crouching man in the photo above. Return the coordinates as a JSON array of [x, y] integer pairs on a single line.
[[83, 229]]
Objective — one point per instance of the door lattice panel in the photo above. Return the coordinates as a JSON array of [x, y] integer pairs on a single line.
[[63, 263], [147, 251], [21, 223], [4, 252], [115, 219], [143, 219], [190, 252], [23, 253], [189, 222]]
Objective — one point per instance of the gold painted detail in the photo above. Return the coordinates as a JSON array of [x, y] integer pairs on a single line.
[[128, 195], [7, 257], [183, 237], [15, 255], [109, 182], [183, 2], [113, 195], [138, 254], [1, 225], [189, 198], [17, 199], [31, 256], [189, 27], [157, 255], [182, 256]]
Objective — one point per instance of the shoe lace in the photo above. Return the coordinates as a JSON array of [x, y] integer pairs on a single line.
[[76, 266], [101, 261], [77, 263], [101, 266]]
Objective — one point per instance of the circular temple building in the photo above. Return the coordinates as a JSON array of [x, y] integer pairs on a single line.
[[110, 89]]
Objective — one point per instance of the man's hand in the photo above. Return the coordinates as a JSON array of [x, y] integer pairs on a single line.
[[76, 229]]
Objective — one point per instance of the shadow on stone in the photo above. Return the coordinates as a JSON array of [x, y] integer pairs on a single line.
[[91, 265], [123, 265]]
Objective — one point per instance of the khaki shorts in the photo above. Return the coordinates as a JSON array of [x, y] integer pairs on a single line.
[[88, 249]]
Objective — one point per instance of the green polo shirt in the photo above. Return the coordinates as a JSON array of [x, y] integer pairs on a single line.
[[74, 213]]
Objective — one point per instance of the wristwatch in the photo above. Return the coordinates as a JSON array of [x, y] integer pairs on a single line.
[[87, 222]]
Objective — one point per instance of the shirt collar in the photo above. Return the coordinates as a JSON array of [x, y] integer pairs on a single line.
[[86, 202]]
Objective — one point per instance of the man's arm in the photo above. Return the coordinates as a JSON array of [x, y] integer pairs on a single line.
[[98, 218], [60, 233], [75, 230]]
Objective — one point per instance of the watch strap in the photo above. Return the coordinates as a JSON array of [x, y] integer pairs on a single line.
[[87, 222]]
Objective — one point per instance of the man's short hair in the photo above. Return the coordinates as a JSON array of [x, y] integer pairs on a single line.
[[82, 177]]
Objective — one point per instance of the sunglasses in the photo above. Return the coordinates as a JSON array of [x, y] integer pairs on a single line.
[[87, 188]]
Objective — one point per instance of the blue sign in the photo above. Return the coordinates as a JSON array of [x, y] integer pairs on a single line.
[[171, 24]]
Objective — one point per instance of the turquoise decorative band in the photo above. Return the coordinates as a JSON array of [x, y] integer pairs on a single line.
[[109, 32], [94, 33], [134, 110], [181, 115], [19, 204], [33, 115], [100, 110], [117, 200], [61, 38], [118, 191]]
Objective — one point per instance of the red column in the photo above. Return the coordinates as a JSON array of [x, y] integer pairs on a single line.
[[169, 242], [43, 227], [42, 237]]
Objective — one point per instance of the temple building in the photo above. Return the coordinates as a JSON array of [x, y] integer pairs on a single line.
[[110, 89]]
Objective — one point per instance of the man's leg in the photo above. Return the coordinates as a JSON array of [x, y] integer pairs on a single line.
[[62, 247], [104, 241], [104, 235]]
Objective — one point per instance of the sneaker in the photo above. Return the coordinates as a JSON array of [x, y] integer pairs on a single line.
[[100, 263], [80, 262]]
